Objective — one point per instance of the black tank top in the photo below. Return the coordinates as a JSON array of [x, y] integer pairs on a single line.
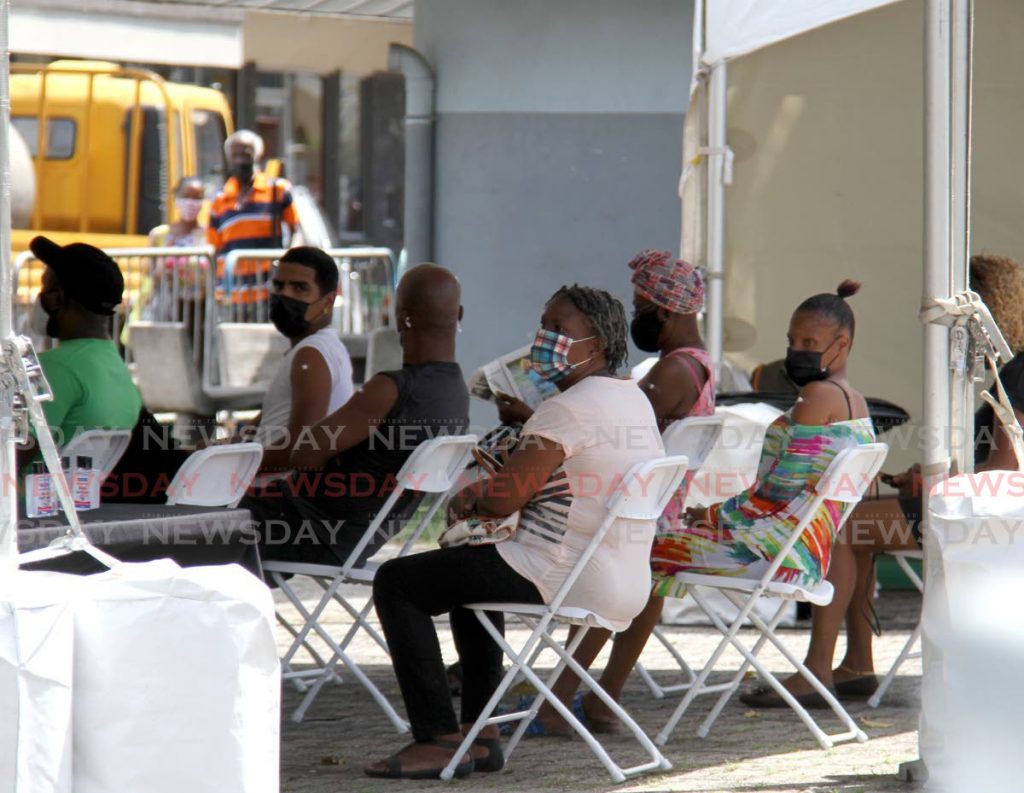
[[432, 401]]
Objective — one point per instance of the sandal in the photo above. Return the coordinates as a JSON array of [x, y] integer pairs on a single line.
[[768, 697], [494, 759], [860, 687], [393, 765]]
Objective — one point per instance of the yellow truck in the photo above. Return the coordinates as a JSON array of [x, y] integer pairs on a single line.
[[114, 143]]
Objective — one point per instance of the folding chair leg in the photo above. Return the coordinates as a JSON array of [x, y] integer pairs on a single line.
[[826, 741], [287, 671], [565, 654], [905, 655], [730, 637], [328, 672], [658, 760], [700, 685], [299, 638], [359, 675], [360, 621], [309, 617], [560, 665], [485, 718], [737, 679], [659, 691]]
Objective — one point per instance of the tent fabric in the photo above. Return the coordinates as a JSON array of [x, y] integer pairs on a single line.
[[736, 27]]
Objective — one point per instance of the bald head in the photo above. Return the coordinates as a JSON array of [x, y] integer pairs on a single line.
[[428, 297]]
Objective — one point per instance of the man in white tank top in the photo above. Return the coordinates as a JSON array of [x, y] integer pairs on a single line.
[[315, 376]]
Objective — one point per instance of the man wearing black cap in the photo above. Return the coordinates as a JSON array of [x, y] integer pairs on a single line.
[[92, 388]]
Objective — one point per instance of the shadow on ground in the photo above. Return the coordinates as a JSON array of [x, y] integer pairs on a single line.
[[344, 729]]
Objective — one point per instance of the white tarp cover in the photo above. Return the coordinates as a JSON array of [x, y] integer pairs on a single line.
[[736, 27], [147, 678], [973, 629], [36, 655]]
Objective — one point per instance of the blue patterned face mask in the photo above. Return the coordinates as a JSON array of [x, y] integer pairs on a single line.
[[549, 355]]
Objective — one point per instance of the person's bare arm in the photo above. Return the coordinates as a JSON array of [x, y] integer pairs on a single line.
[[311, 392], [527, 471], [817, 404], [671, 389], [348, 425]]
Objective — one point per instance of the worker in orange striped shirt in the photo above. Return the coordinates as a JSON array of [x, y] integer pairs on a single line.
[[252, 210]]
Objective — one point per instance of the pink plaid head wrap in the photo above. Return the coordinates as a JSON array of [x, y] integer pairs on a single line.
[[667, 282]]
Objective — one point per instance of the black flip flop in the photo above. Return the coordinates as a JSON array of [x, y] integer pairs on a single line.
[[393, 765], [857, 688], [495, 759], [768, 697]]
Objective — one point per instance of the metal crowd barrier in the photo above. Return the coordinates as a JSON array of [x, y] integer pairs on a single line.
[[365, 281], [174, 285], [160, 285]]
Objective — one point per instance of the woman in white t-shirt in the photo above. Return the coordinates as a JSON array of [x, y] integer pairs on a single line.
[[572, 453]]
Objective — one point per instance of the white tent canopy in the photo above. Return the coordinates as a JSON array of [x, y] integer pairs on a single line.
[[722, 30], [736, 27]]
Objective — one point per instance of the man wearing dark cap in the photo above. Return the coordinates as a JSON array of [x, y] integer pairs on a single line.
[[92, 388]]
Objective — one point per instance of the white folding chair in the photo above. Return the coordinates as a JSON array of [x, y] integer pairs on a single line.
[[644, 493], [105, 447], [694, 438], [845, 481], [432, 470], [216, 476], [903, 559]]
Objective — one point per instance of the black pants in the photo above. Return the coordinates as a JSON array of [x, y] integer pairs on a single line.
[[409, 591]]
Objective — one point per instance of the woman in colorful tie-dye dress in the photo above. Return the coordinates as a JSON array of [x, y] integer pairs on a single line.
[[742, 536]]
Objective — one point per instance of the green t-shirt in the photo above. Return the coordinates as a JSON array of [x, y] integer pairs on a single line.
[[92, 389]]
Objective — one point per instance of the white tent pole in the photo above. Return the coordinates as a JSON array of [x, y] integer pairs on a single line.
[[962, 396], [8, 497], [717, 107], [936, 283]]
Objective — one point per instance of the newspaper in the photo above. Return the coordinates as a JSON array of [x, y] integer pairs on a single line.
[[511, 374]]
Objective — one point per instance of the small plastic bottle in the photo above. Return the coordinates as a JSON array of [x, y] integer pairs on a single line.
[[40, 494], [85, 485]]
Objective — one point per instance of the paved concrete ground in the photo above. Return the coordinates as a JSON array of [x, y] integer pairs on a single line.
[[768, 751]]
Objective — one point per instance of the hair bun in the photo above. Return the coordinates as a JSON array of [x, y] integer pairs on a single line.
[[848, 288]]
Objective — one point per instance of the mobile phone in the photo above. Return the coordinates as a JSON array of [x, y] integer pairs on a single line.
[[887, 479]]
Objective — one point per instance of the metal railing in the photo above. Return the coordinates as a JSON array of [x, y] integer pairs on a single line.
[[174, 285], [365, 285], [160, 285]]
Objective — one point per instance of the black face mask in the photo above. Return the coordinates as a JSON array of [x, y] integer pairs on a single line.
[[243, 172], [804, 366], [52, 328], [645, 330], [289, 316]]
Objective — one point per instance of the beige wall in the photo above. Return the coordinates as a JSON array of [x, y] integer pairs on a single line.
[[827, 130], [322, 44]]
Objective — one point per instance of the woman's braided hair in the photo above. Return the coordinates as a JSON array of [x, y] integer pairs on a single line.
[[606, 315]]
